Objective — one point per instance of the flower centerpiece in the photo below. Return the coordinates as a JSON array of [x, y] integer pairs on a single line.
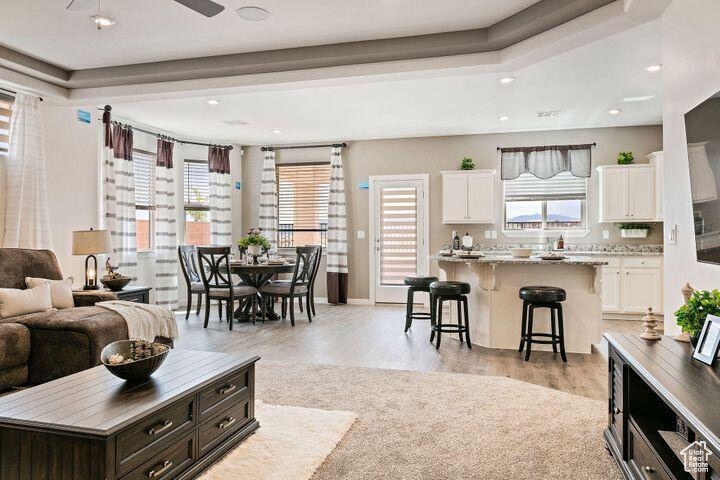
[[691, 316], [254, 242]]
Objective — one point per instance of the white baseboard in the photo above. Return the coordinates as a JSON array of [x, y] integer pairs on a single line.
[[351, 301]]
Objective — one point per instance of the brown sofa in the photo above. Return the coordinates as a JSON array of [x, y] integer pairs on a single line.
[[40, 347]]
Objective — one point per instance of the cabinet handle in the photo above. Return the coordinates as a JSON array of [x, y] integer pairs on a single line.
[[161, 427], [648, 469], [227, 423], [160, 469], [617, 411], [227, 389]]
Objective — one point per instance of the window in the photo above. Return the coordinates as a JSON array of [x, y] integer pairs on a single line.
[[144, 170], [197, 202], [303, 191], [6, 102], [557, 203]]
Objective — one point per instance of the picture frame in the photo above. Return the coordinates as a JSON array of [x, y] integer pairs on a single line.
[[708, 344]]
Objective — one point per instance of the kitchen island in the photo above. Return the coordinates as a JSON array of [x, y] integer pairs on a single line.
[[495, 310]]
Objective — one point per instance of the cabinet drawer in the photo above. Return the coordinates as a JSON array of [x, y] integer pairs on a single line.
[[222, 393], [139, 442], [642, 262], [641, 458], [169, 463], [613, 262], [223, 425]]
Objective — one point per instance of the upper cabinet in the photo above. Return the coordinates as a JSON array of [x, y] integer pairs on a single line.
[[628, 193], [468, 196]]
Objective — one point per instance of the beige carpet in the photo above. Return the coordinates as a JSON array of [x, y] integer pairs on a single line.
[[415, 425], [291, 444]]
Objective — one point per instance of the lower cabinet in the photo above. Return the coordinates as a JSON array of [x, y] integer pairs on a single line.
[[632, 284]]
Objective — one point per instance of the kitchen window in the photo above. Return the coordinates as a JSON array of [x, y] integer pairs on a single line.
[[196, 192], [144, 171], [303, 191], [535, 205]]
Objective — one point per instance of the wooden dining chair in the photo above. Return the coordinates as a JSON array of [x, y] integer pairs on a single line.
[[299, 286], [218, 283], [187, 254]]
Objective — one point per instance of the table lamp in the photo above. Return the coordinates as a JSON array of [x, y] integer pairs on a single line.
[[91, 242]]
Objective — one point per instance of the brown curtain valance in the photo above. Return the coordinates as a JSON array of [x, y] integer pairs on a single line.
[[165, 153], [219, 159], [546, 161], [122, 141]]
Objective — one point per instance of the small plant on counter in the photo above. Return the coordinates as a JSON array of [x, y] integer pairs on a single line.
[[625, 158], [633, 230], [467, 164], [691, 316]]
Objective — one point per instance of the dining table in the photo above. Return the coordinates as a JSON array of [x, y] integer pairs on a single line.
[[257, 275]]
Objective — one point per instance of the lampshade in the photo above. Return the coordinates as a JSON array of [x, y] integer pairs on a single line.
[[91, 242]]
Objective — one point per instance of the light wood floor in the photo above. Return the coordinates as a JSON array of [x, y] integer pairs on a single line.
[[366, 336]]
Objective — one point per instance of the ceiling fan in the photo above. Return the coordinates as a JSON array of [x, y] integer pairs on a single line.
[[203, 7]]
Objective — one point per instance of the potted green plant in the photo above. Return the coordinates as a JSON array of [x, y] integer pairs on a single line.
[[625, 158], [691, 316], [633, 230], [254, 242], [467, 164]]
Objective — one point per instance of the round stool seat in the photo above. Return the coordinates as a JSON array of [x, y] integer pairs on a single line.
[[449, 288], [420, 282], [542, 294]]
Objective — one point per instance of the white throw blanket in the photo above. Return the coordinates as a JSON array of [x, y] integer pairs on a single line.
[[144, 322]]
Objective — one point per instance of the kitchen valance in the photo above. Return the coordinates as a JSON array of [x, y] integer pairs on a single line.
[[546, 161]]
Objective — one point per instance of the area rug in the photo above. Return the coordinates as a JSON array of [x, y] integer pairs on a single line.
[[418, 425], [291, 444]]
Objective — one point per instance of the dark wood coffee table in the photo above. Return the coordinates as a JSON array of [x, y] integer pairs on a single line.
[[93, 425]]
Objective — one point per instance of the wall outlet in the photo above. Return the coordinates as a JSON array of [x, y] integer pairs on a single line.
[[606, 234], [361, 234], [493, 233], [487, 233]]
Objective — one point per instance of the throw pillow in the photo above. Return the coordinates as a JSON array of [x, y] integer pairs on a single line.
[[14, 302], [60, 290]]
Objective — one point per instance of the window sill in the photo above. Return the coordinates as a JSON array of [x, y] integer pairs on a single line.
[[143, 254], [546, 233], [285, 251]]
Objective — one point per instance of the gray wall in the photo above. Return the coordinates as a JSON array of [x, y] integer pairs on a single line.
[[434, 154]]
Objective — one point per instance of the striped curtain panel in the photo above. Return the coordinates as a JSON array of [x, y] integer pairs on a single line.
[[268, 215], [27, 223], [120, 195], [337, 269], [220, 196], [166, 264]]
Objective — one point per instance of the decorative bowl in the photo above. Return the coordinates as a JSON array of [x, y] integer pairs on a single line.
[[521, 252], [115, 284], [136, 370]]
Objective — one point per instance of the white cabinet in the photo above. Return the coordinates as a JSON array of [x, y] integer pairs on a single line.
[[656, 160], [468, 197], [611, 289], [632, 284], [627, 193]]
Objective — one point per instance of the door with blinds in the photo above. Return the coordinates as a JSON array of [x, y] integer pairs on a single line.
[[400, 236]]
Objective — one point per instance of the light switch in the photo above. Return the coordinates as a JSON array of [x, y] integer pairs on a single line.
[[672, 236], [493, 233], [606, 234], [360, 234], [487, 233]]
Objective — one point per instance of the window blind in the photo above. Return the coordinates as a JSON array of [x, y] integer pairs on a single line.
[[197, 185], [303, 191], [563, 186], [144, 171], [6, 102]]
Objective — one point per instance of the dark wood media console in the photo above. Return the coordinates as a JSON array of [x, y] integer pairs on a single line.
[[659, 402], [93, 425]]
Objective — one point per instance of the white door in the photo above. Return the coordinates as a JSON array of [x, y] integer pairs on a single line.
[[641, 193], [641, 288], [399, 236], [611, 289], [614, 194], [480, 197], [454, 196]]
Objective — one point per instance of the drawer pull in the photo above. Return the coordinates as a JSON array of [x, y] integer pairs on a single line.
[[617, 411], [648, 469], [227, 389], [161, 427], [227, 423], [160, 469]]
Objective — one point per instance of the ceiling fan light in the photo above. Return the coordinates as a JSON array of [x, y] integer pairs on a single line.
[[102, 21]]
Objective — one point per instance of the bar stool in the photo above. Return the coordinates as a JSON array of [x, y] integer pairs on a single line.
[[453, 291], [417, 284], [542, 297]]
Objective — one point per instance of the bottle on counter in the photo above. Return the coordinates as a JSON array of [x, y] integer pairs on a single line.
[[560, 244], [455, 241]]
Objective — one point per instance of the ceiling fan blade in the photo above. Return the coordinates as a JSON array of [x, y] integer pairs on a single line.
[[203, 7], [81, 5]]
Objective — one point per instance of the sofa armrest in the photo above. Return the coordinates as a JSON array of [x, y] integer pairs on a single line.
[[88, 298]]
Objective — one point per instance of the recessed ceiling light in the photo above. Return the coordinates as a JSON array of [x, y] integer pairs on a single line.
[[503, 118], [212, 101], [653, 68], [235, 123], [102, 21], [507, 80], [277, 131], [638, 99], [614, 111], [253, 14]]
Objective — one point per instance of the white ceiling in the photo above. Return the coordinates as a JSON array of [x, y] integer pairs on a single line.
[[154, 30], [583, 83]]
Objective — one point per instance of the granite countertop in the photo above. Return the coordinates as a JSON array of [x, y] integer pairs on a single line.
[[586, 254], [583, 249], [510, 260]]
